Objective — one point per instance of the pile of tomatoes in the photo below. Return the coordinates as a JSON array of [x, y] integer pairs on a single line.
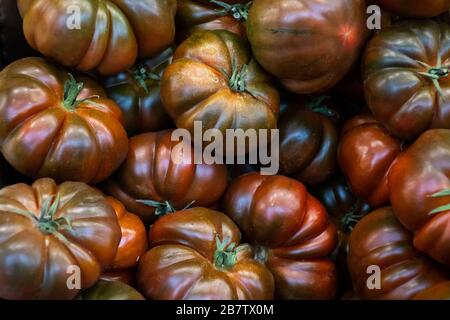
[[93, 205]]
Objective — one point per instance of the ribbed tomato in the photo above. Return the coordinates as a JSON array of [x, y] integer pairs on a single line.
[[291, 233]]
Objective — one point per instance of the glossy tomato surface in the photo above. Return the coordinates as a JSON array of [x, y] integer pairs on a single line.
[[110, 290], [379, 240], [158, 168], [308, 140], [49, 230], [290, 230], [137, 93], [415, 180], [214, 80], [308, 44], [107, 36], [441, 291], [365, 155], [415, 8], [406, 77], [196, 254], [133, 243], [52, 125], [194, 15]]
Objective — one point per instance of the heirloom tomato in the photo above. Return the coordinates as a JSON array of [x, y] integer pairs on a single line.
[[406, 77], [365, 155], [290, 231], [136, 92], [308, 140], [415, 8], [440, 291], [193, 15], [133, 243], [379, 240], [110, 290], [47, 232], [106, 35], [215, 81], [419, 184], [125, 276], [345, 210], [161, 169], [53, 126], [197, 254], [309, 45]]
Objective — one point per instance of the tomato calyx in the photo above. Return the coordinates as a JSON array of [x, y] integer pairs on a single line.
[[350, 219], [315, 104], [435, 73], [141, 74], [238, 78], [72, 89], [46, 221], [163, 208], [260, 253], [225, 256], [237, 11], [441, 194]]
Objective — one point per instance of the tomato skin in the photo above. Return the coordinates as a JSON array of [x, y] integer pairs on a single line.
[[111, 34], [133, 243], [194, 15], [34, 263], [308, 143], [365, 155], [180, 263], [406, 102], [416, 8], [291, 231], [441, 291], [418, 173], [195, 88], [110, 290], [86, 143], [380, 240], [287, 38], [141, 104], [149, 173], [125, 276]]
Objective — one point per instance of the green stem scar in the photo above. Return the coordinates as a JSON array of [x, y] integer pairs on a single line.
[[72, 89], [46, 221], [238, 78], [225, 256], [237, 11], [316, 104], [435, 73]]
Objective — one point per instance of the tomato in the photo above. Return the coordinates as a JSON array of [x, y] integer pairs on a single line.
[[125, 276], [441, 291], [197, 254], [194, 15], [104, 35], [151, 173], [415, 180], [406, 77], [213, 79], [291, 233], [46, 230], [379, 240], [308, 141], [345, 210], [308, 44], [53, 126], [133, 243], [110, 290], [365, 155], [136, 92], [416, 8]]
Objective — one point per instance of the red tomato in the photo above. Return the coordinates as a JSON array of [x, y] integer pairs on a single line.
[[291, 233]]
